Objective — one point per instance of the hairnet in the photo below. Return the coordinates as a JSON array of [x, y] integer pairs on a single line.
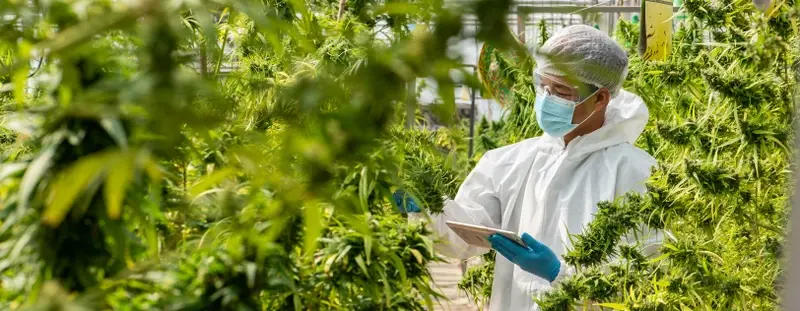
[[586, 55]]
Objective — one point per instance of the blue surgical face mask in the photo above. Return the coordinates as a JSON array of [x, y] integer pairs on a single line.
[[554, 114]]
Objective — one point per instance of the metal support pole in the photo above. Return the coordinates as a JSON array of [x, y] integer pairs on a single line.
[[471, 123], [411, 94], [470, 151], [791, 301], [521, 27]]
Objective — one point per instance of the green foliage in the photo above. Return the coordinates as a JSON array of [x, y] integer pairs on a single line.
[[432, 170], [519, 122], [477, 281], [543, 33], [225, 155], [141, 171]]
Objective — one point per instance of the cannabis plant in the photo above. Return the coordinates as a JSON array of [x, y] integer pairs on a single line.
[[225, 155]]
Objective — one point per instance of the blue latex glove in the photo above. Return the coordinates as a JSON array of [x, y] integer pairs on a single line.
[[537, 258], [404, 202]]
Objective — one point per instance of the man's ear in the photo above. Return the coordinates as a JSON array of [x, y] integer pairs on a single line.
[[602, 98]]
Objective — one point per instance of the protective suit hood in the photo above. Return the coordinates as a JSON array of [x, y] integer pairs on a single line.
[[626, 117]]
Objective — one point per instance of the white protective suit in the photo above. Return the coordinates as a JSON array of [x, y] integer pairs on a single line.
[[539, 187]]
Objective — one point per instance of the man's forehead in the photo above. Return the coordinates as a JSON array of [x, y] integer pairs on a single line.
[[560, 82], [559, 79]]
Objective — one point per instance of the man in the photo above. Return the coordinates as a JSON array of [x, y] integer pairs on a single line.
[[548, 187]]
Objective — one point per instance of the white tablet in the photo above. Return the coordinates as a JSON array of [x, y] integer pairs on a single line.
[[479, 235]]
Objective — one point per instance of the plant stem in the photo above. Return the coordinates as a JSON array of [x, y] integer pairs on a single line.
[[222, 46], [184, 176], [763, 225], [203, 60], [341, 9]]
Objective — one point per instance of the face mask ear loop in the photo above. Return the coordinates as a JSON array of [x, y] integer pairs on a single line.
[[587, 97], [593, 110]]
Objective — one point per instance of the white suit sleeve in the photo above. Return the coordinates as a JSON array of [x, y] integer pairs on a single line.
[[634, 181], [476, 202], [631, 177]]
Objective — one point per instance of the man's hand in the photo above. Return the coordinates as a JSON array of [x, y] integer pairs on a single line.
[[404, 202], [536, 258]]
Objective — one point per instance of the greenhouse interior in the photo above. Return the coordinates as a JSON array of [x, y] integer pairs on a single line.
[[456, 155]]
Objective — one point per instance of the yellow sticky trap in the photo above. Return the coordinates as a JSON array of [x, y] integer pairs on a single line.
[[655, 41]]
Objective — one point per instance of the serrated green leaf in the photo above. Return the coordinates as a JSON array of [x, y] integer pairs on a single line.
[[368, 247], [33, 174], [398, 264], [71, 182], [114, 128], [360, 262], [343, 252], [712, 255], [10, 169], [117, 180], [21, 243], [659, 258], [313, 221], [151, 167], [363, 193], [328, 264], [417, 255]]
